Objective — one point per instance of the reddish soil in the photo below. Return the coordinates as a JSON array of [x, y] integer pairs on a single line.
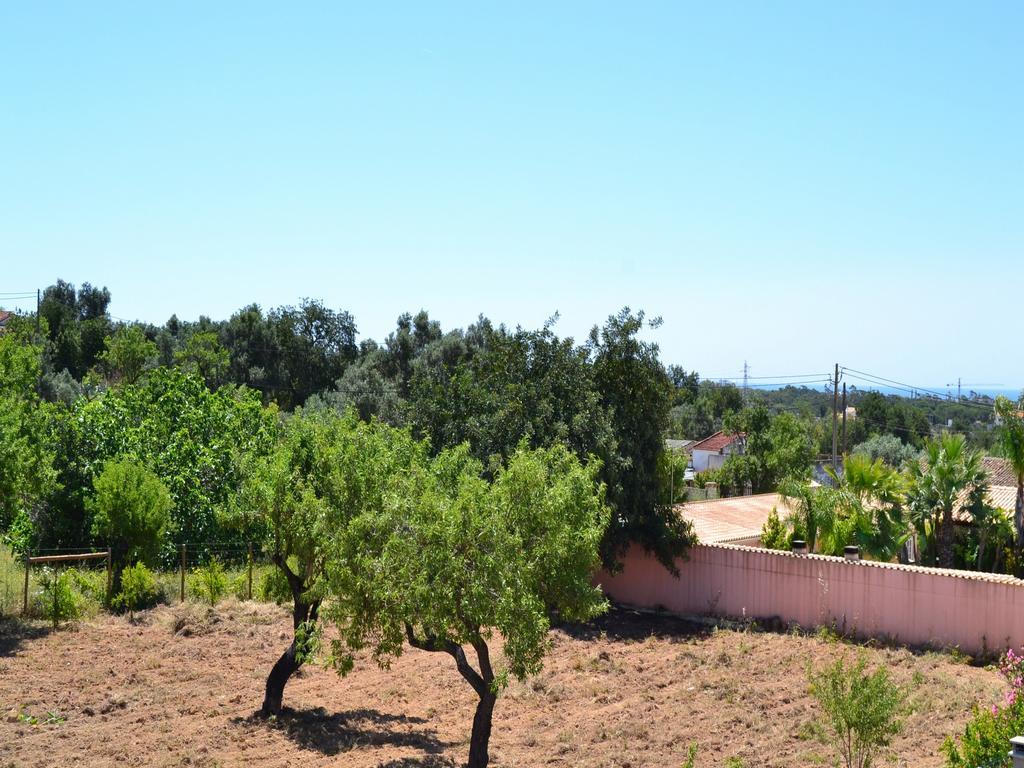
[[181, 687]]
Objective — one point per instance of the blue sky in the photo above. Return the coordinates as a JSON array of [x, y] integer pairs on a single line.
[[789, 183]]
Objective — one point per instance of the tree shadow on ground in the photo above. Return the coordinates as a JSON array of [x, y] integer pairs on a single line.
[[14, 633], [431, 761], [626, 624], [333, 733]]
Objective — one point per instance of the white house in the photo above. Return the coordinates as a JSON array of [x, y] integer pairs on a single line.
[[711, 452]]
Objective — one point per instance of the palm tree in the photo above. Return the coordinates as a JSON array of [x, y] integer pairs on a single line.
[[863, 507], [950, 479], [878, 490], [1013, 449]]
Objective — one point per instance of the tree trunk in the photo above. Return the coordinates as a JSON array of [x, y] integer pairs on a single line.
[[946, 558], [481, 736], [288, 664]]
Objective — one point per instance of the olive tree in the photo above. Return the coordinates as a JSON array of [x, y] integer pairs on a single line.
[[449, 559]]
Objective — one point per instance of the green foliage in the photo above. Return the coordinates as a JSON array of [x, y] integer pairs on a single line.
[[131, 510], [776, 448], [951, 479], [1012, 444], [138, 589], [889, 448], [691, 757], [671, 471], [862, 711], [211, 581], [700, 409], [90, 585], [985, 737], [127, 354], [27, 474], [56, 599], [887, 414], [12, 571], [289, 353], [272, 586], [775, 534], [74, 327], [864, 507], [634, 387], [445, 558], [190, 437], [204, 356]]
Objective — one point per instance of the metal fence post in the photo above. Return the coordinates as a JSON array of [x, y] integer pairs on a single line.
[[181, 592], [250, 570]]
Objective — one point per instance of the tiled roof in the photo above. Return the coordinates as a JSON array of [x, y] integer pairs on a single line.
[[4, 315], [1000, 472], [735, 519], [1003, 497], [716, 442]]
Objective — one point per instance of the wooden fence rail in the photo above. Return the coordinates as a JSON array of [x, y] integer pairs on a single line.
[[30, 561]]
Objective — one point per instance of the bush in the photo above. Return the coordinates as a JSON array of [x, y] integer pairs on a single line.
[[986, 738], [212, 582], [55, 599], [862, 711], [138, 589], [131, 509], [272, 587], [775, 533]]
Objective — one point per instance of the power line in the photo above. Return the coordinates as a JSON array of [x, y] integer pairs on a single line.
[[785, 376], [893, 384]]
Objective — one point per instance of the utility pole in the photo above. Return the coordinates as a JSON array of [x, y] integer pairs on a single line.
[[844, 420], [835, 417], [37, 314], [958, 389], [746, 370]]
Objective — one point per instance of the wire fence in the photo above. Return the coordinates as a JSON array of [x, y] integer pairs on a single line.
[[201, 572]]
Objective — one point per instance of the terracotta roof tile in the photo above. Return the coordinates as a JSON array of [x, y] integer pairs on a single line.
[[716, 442], [737, 518]]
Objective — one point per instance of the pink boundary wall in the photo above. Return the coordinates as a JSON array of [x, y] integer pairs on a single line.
[[907, 604]]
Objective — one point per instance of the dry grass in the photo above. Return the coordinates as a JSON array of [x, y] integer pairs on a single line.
[[180, 687]]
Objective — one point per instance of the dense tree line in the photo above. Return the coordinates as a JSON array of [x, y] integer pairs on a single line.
[[187, 399]]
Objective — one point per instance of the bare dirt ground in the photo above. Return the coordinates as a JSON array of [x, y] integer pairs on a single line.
[[181, 688]]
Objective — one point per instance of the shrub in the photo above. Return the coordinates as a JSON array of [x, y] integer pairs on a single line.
[[239, 584], [90, 588], [212, 581], [272, 587], [862, 711], [775, 533], [138, 589], [986, 736], [131, 508], [56, 600]]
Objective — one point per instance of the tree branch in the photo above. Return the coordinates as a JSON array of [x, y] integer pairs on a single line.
[[436, 644]]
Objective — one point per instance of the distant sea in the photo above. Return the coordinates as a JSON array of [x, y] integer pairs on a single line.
[[944, 391], [1010, 392]]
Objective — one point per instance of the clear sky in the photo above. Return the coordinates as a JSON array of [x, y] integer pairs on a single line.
[[787, 183]]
